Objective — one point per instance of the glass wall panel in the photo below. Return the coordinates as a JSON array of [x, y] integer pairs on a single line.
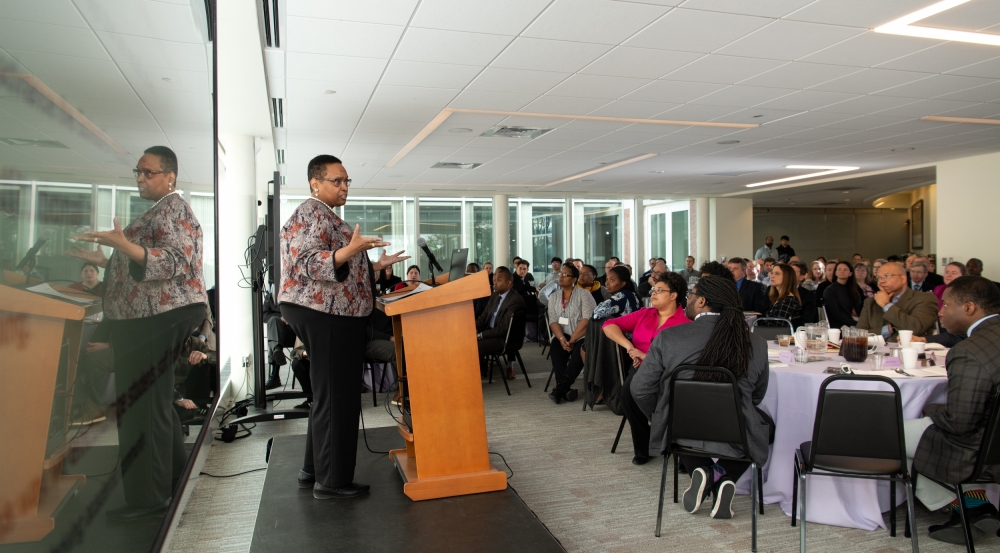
[[600, 231], [679, 239], [203, 206], [15, 203], [513, 230], [61, 212], [441, 228], [381, 218], [479, 217], [667, 224], [658, 235]]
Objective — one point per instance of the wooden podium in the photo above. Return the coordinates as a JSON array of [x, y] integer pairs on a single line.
[[436, 348], [33, 330]]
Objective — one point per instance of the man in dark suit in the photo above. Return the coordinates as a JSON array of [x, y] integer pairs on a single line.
[[612, 261], [810, 312], [896, 307], [491, 326], [752, 294], [921, 279], [947, 439], [646, 286]]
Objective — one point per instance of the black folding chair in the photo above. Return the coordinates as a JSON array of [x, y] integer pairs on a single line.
[[512, 348], [621, 379], [711, 412], [775, 327], [989, 454], [382, 384], [857, 434]]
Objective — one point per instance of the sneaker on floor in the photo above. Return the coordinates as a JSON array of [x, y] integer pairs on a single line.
[[723, 507], [695, 493], [304, 406], [571, 394]]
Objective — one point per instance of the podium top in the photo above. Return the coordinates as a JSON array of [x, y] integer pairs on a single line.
[[30, 303], [463, 289]]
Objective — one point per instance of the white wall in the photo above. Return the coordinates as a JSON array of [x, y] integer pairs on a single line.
[[835, 233], [968, 194], [730, 227]]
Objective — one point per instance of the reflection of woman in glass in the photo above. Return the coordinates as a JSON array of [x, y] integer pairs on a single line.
[[386, 281], [154, 297], [90, 281], [412, 277]]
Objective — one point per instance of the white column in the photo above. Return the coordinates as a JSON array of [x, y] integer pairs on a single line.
[[968, 191], [703, 252], [639, 256], [501, 230], [237, 221], [730, 227]]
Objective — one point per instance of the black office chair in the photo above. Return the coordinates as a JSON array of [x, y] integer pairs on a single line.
[[713, 412], [989, 454], [622, 371], [775, 327], [512, 347], [857, 434]]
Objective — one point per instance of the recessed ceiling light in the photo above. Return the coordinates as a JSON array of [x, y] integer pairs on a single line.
[[729, 142], [944, 119], [847, 191], [905, 26], [880, 204], [657, 171], [903, 149], [329, 92], [756, 116], [824, 170], [459, 129], [167, 80]]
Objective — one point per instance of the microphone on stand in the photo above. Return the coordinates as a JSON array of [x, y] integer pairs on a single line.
[[29, 258], [430, 256]]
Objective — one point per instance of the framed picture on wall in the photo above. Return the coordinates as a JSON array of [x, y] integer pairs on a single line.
[[917, 225]]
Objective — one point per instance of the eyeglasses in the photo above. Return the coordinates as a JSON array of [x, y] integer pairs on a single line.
[[659, 291], [337, 182], [567, 275], [147, 173], [887, 276]]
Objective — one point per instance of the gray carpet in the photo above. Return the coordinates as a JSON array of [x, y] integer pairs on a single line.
[[591, 500]]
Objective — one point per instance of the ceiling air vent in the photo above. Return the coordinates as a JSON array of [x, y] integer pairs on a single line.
[[515, 132], [451, 165], [33, 143], [277, 112], [271, 36]]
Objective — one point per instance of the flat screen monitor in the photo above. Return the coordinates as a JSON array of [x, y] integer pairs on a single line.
[[459, 261]]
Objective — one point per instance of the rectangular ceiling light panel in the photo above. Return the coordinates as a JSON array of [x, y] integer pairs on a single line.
[[823, 171], [905, 26]]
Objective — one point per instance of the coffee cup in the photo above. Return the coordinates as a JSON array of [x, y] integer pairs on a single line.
[[909, 358], [919, 346], [834, 335], [904, 337]]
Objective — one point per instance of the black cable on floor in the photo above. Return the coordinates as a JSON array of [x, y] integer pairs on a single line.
[[364, 433], [505, 464], [232, 475]]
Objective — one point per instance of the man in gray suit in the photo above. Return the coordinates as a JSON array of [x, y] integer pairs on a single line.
[[493, 322], [719, 336], [944, 444], [896, 307]]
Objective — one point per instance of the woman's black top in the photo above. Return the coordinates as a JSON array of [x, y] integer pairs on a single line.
[[386, 286], [838, 303]]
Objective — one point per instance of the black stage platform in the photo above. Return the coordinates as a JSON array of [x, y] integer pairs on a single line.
[[289, 519]]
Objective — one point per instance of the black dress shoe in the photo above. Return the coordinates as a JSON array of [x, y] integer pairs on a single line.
[[351, 490], [306, 480], [640, 460], [273, 381], [572, 394], [131, 514], [983, 519], [555, 396]]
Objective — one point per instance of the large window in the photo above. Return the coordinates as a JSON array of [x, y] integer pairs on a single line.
[[381, 218], [479, 218], [667, 226], [598, 231], [539, 228]]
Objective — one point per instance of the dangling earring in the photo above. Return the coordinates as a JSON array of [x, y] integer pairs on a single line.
[[315, 191]]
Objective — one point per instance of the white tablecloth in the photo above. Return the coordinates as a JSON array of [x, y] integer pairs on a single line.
[[792, 395]]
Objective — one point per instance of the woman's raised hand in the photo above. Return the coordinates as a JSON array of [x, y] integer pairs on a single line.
[[363, 243], [96, 257]]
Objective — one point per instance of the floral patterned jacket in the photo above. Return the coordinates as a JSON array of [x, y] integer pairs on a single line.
[[172, 277], [308, 275]]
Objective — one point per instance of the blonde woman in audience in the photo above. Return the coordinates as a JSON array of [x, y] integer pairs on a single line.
[[817, 274]]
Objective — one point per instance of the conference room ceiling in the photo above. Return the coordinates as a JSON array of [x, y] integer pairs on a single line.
[[119, 87], [857, 192], [360, 79]]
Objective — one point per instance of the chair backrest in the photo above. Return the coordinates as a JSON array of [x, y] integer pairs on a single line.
[[515, 332], [859, 423], [989, 449], [703, 410], [774, 327]]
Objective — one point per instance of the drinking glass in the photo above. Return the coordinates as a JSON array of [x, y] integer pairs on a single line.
[[816, 338]]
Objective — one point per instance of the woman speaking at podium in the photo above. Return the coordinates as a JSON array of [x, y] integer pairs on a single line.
[[326, 296], [154, 296]]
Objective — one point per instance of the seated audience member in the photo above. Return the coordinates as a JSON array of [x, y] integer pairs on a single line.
[[95, 368], [863, 279], [666, 310], [471, 268], [875, 268], [630, 284], [300, 368], [842, 299], [90, 281], [753, 268], [719, 336], [896, 307], [952, 271], [764, 275], [817, 272], [386, 281], [492, 325], [193, 380], [488, 267], [556, 264], [784, 296], [659, 268], [944, 444], [279, 336], [612, 261], [621, 301], [829, 278], [946, 337], [587, 281], [381, 346], [688, 271], [412, 277], [715, 268], [919, 280], [647, 274], [570, 309], [856, 258], [974, 267], [786, 252], [931, 279], [752, 294], [578, 263], [524, 282], [810, 313]]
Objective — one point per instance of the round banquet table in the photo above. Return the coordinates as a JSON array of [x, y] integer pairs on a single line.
[[792, 395]]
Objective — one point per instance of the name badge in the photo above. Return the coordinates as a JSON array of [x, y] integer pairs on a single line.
[[563, 321]]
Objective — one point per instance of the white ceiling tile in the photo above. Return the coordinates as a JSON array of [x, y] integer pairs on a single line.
[[341, 68], [789, 40], [799, 75], [597, 86], [439, 46], [989, 69], [431, 75], [686, 30], [53, 12], [937, 85], [352, 93], [639, 62], [941, 58], [743, 96], [148, 77], [174, 21], [868, 122], [139, 50], [926, 107], [341, 38], [694, 112], [763, 8], [299, 135], [976, 110], [51, 39], [500, 79], [509, 17], [758, 115], [856, 13], [599, 21], [867, 104], [564, 105], [389, 12], [371, 124], [639, 110], [549, 55], [722, 69], [478, 99], [673, 92], [869, 49], [318, 115], [808, 100], [868, 81], [985, 93]]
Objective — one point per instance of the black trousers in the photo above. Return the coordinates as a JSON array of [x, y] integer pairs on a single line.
[[336, 347], [734, 469], [567, 366], [150, 446], [637, 420]]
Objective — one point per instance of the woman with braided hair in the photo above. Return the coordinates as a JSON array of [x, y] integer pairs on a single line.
[[718, 336]]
